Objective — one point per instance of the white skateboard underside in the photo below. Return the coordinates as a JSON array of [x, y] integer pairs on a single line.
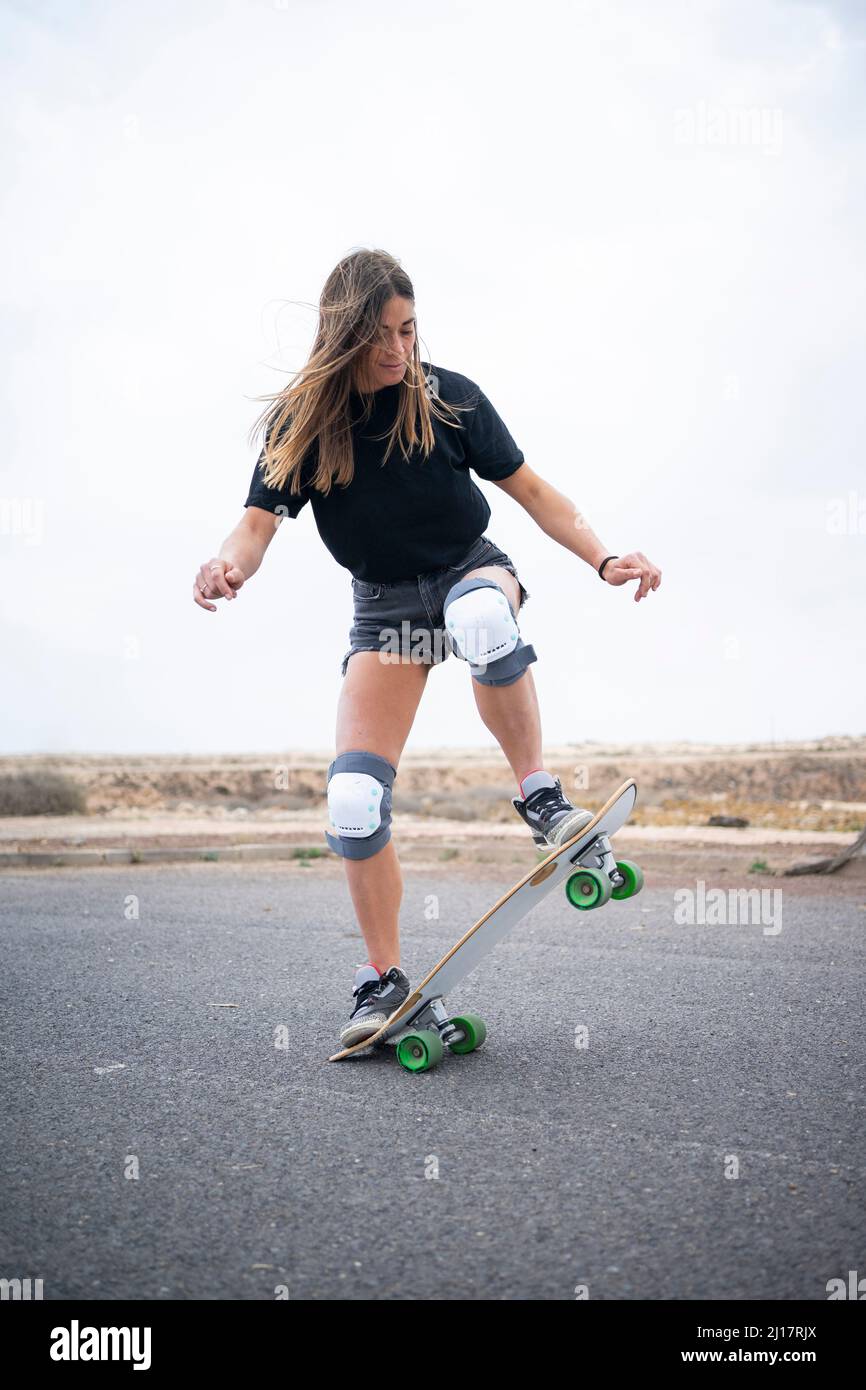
[[490, 929]]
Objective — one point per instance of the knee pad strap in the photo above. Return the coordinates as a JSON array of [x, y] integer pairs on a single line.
[[359, 804], [483, 631]]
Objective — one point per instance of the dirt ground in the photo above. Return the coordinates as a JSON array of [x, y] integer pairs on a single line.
[[666, 854], [799, 801]]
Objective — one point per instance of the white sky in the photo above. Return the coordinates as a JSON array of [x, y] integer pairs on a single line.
[[639, 228]]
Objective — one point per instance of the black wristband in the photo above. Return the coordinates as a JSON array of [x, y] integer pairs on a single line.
[[603, 563]]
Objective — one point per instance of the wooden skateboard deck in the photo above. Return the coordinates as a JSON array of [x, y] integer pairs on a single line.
[[536, 883]]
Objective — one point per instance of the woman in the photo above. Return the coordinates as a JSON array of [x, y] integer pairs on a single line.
[[426, 580]]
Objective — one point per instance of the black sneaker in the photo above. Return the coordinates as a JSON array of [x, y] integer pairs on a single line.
[[376, 998], [548, 812]]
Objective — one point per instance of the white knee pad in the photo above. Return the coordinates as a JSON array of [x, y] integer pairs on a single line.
[[483, 631], [359, 804]]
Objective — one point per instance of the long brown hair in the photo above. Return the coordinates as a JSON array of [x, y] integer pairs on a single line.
[[315, 403]]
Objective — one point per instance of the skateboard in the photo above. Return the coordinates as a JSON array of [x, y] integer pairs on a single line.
[[591, 875]]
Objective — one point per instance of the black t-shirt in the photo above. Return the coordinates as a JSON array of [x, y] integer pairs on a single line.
[[400, 519]]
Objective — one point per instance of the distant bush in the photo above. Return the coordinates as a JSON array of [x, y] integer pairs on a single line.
[[759, 866], [40, 794]]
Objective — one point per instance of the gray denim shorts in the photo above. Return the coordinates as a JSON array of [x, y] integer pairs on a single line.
[[406, 616]]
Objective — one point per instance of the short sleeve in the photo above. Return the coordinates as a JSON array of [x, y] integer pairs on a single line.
[[274, 499], [489, 447]]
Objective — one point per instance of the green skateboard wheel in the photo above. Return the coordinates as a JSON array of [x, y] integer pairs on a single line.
[[420, 1051], [475, 1030], [588, 888], [633, 879]]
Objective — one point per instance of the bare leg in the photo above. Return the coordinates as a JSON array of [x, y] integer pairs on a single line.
[[377, 706], [511, 712], [376, 886]]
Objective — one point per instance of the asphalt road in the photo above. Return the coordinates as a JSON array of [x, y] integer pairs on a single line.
[[710, 1047]]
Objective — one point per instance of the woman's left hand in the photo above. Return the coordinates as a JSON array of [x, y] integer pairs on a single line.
[[634, 566]]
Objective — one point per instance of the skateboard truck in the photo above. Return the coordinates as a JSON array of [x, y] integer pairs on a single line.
[[598, 854], [447, 1029], [598, 876], [435, 1015], [434, 1029]]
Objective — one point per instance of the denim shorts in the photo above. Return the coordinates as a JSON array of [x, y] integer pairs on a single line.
[[406, 616]]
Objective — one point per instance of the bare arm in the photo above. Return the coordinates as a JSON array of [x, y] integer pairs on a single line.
[[240, 556], [246, 545], [559, 518]]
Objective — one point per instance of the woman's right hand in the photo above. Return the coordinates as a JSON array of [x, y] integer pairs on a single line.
[[216, 579]]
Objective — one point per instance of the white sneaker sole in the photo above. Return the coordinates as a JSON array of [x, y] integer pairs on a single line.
[[568, 827], [364, 1028]]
